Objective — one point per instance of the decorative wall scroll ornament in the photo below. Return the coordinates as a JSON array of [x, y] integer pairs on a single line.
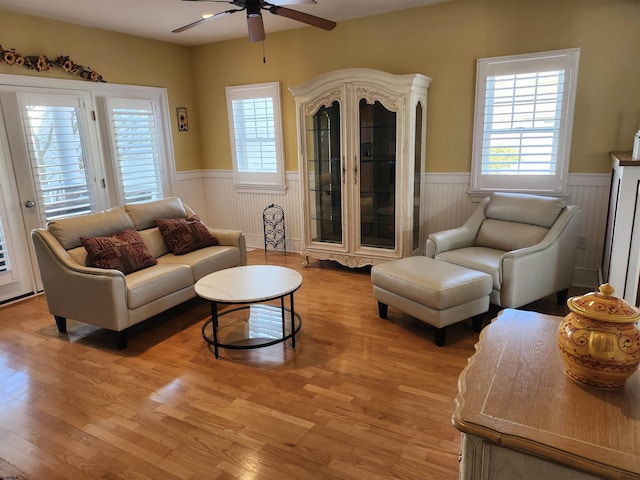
[[183, 120], [42, 63]]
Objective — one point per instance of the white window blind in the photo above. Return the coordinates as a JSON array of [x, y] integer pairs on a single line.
[[5, 263], [56, 151], [135, 149], [255, 135], [255, 127], [524, 115]]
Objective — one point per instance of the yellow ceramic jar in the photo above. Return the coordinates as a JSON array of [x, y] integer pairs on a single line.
[[600, 339]]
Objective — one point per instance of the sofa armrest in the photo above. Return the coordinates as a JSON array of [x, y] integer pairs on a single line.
[[449, 240], [233, 238], [460, 237], [552, 259], [95, 295]]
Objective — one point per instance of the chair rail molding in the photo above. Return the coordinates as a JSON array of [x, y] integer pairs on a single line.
[[446, 200]]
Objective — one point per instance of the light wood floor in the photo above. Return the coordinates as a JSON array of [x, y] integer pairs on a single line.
[[359, 397]]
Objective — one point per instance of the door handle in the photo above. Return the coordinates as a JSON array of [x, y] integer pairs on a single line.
[[29, 204]]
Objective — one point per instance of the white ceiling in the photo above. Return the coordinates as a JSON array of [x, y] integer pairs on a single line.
[[157, 18]]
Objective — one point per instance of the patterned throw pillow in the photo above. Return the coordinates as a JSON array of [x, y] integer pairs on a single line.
[[183, 236], [124, 251]]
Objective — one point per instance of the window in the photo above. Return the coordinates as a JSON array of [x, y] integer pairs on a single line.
[[523, 122], [134, 146], [57, 150], [77, 151], [255, 129], [5, 264]]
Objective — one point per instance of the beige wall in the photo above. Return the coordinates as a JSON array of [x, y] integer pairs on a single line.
[[118, 58], [442, 41]]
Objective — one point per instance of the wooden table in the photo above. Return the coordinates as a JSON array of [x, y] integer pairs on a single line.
[[523, 417]]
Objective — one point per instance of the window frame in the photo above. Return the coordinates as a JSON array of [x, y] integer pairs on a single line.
[[108, 105], [547, 184], [97, 127], [158, 96], [262, 182]]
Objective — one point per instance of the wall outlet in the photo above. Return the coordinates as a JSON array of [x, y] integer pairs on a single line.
[[582, 240]]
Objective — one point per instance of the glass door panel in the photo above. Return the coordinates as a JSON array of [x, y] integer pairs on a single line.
[[377, 193], [417, 178], [324, 174], [56, 147]]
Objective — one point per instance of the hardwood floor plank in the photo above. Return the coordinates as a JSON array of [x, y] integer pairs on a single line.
[[359, 397]]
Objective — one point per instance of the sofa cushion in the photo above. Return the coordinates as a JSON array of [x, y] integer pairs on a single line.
[[523, 208], [508, 236], [107, 222], [206, 260], [145, 286], [124, 251], [482, 259], [144, 215], [184, 236], [154, 241]]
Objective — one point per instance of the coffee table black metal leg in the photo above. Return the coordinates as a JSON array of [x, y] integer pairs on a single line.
[[214, 325], [284, 317], [293, 323]]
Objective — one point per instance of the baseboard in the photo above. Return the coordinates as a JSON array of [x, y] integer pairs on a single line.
[[586, 278], [257, 241]]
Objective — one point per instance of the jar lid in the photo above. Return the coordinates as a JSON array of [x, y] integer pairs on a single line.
[[604, 306]]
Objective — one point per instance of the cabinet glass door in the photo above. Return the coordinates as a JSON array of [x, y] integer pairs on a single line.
[[377, 175], [417, 179], [324, 174]]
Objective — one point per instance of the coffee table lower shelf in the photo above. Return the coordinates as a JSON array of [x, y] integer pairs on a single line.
[[265, 325]]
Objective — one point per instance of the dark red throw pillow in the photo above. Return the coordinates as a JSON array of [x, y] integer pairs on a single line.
[[124, 251], [183, 236]]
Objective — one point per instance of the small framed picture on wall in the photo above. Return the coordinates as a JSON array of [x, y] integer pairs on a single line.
[[183, 120]]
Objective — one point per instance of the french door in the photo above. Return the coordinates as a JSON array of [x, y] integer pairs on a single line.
[[70, 152], [16, 278], [56, 166]]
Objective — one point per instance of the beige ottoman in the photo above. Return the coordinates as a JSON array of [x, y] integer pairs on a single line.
[[436, 292]]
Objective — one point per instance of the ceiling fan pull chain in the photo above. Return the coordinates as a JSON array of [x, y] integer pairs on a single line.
[[264, 57]]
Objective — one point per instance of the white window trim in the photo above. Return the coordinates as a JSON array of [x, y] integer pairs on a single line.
[[274, 183], [567, 59], [98, 92]]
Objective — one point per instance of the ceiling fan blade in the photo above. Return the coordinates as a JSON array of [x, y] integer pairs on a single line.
[[293, 2], [256, 28], [275, 2], [303, 17], [198, 22]]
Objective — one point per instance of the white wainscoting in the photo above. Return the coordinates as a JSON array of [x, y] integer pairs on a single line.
[[447, 204], [212, 193]]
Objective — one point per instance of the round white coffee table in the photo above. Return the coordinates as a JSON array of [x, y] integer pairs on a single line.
[[251, 286]]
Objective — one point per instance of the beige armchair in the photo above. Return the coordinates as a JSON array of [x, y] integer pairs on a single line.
[[527, 243]]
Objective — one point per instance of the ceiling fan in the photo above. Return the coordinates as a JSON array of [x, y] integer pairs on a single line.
[[254, 15]]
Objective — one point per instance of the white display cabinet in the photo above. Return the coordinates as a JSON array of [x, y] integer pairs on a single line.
[[361, 147]]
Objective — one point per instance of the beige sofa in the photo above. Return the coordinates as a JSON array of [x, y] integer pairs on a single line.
[[108, 298]]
